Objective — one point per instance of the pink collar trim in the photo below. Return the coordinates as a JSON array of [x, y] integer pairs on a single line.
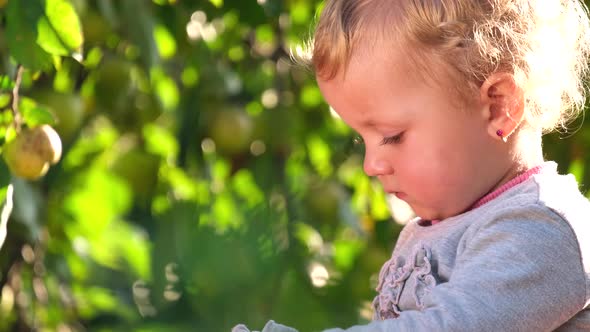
[[517, 180]]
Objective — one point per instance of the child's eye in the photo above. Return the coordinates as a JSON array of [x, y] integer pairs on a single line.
[[392, 139]]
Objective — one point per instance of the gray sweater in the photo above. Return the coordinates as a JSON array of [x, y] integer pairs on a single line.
[[520, 262]]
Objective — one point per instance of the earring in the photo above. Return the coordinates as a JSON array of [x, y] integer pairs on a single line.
[[500, 134]]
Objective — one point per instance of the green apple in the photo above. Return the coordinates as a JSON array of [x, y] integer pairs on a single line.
[[232, 131], [69, 111], [114, 84], [140, 170], [323, 201], [96, 28], [141, 108]]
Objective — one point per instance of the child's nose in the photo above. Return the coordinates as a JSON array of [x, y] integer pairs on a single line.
[[375, 164]]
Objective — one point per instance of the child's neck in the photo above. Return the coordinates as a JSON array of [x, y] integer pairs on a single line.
[[525, 152], [513, 180], [526, 156]]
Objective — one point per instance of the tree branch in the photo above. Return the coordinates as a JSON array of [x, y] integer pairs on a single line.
[[15, 97]]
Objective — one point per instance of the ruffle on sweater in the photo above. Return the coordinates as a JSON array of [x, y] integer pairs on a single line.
[[414, 271]]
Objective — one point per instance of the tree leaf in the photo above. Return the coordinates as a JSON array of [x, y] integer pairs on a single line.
[[34, 114], [250, 11], [139, 28], [21, 34], [5, 99], [59, 29], [6, 83], [38, 29]]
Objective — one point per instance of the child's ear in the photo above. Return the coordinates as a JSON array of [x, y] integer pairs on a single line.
[[503, 99]]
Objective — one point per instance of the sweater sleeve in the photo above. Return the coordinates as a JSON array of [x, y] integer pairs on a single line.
[[514, 273]]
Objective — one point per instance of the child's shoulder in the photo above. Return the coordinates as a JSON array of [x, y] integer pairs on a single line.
[[561, 193], [558, 196], [547, 212], [547, 208]]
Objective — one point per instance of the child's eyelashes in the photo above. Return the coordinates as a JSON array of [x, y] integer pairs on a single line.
[[358, 141], [392, 139]]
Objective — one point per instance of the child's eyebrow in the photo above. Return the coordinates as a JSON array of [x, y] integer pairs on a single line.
[[368, 123], [386, 125]]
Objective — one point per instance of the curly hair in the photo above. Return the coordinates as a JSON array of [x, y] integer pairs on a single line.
[[544, 43]]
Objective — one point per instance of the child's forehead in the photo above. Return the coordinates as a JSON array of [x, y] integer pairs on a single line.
[[396, 61], [391, 73], [391, 53], [400, 72]]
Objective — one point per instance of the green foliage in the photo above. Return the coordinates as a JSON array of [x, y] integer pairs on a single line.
[[38, 29], [204, 182]]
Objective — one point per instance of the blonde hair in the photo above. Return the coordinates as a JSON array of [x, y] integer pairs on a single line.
[[543, 43]]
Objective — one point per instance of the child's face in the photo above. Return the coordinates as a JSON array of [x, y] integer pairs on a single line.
[[423, 147]]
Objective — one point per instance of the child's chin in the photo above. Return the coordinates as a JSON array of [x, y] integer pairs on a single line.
[[429, 215], [400, 210]]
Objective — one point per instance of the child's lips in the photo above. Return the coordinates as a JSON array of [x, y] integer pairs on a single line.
[[399, 194]]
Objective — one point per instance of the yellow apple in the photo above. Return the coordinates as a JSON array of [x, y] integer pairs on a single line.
[[31, 153]]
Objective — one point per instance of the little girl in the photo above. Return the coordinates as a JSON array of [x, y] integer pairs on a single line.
[[451, 98]]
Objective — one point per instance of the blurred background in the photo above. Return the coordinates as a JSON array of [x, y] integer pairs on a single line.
[[204, 181]]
